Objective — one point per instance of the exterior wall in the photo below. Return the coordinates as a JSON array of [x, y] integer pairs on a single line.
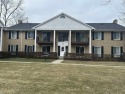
[[107, 43], [21, 42]]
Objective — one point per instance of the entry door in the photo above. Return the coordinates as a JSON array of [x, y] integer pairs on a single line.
[[62, 51]]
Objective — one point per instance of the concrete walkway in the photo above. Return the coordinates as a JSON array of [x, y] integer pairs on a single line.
[[57, 61]]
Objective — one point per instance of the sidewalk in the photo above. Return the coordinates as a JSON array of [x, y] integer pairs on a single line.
[[57, 62]]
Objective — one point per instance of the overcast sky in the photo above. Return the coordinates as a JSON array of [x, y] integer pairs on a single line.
[[85, 10]]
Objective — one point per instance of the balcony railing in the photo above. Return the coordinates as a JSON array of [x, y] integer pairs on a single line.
[[40, 40], [84, 41]]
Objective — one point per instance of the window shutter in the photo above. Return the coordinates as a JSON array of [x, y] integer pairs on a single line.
[[33, 48], [26, 35], [121, 36], [111, 35], [17, 34], [9, 34], [93, 35], [102, 35], [33, 35], [8, 48], [25, 48], [48, 48], [102, 51], [77, 49], [121, 50], [16, 48], [92, 49], [112, 51]]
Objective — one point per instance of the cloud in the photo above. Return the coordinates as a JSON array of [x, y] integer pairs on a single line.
[[84, 10]]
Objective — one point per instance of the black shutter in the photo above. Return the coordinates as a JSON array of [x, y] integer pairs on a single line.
[[102, 35], [92, 49], [33, 48], [17, 34], [112, 51], [33, 35], [48, 48], [121, 50], [102, 51], [121, 36], [8, 48], [25, 48], [92, 35], [16, 48], [26, 35], [111, 35], [9, 34], [77, 49]]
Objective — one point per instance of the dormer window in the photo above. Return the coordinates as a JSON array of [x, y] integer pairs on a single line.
[[62, 16]]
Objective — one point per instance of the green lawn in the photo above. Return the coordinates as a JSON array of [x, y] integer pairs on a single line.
[[40, 78], [95, 62], [27, 59]]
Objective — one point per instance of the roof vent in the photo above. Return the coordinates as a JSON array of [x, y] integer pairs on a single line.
[[115, 21], [62, 16]]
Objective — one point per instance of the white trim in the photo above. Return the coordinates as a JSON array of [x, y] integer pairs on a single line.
[[35, 40], [90, 41], [21, 42], [54, 40]]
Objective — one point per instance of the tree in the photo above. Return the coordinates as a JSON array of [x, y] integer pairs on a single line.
[[9, 8]]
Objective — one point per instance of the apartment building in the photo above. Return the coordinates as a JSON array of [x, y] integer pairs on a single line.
[[64, 33]]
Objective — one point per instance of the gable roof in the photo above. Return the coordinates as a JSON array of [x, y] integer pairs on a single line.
[[64, 15], [22, 26], [107, 26]]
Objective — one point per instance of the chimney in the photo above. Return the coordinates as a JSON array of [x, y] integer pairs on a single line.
[[20, 21], [115, 21]]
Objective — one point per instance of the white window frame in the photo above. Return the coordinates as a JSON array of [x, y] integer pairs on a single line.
[[97, 35], [30, 35], [119, 35], [13, 34], [12, 48], [117, 53], [96, 52]]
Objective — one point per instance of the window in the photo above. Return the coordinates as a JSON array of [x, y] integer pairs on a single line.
[[13, 48], [30, 35], [116, 51], [79, 49], [97, 35], [79, 37], [46, 36], [46, 49], [29, 48], [98, 51], [13, 34], [62, 48], [116, 35], [63, 37]]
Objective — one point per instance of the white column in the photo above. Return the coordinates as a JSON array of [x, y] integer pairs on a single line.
[[90, 41], [35, 40], [69, 48], [54, 40], [1, 40], [21, 41]]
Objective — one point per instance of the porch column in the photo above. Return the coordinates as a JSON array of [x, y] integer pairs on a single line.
[[69, 48], [90, 41], [35, 40], [54, 40]]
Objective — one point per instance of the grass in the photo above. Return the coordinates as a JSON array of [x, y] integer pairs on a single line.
[[27, 60], [38, 78], [95, 62]]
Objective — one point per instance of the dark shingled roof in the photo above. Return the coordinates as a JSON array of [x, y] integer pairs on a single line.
[[97, 26], [107, 26], [22, 26]]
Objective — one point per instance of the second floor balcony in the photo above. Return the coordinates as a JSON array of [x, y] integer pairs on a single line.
[[79, 41], [41, 40]]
